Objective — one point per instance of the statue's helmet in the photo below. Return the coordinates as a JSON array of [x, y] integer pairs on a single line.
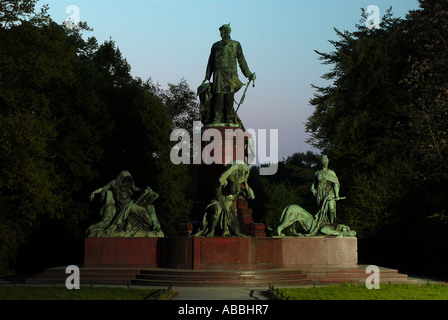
[[226, 27]]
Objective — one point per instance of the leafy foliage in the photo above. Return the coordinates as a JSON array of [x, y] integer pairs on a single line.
[[290, 185], [427, 87], [72, 117], [382, 121], [12, 11]]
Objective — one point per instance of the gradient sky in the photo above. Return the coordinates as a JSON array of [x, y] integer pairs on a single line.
[[168, 40]]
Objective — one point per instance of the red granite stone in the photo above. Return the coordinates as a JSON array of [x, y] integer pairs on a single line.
[[120, 252], [222, 253]]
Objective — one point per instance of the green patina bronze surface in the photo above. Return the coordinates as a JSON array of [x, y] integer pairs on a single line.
[[221, 211], [122, 216], [325, 188], [217, 97]]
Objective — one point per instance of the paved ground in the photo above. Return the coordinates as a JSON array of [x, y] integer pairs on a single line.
[[210, 293], [220, 293], [243, 293], [182, 293]]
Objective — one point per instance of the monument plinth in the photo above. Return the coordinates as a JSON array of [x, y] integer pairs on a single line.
[[222, 146], [196, 253]]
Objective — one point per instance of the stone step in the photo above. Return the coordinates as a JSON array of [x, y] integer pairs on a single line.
[[87, 277], [199, 273], [81, 281], [355, 275], [242, 277], [188, 277], [362, 281], [180, 277], [220, 278], [89, 270], [361, 273], [223, 283]]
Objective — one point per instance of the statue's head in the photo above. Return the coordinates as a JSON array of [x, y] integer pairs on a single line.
[[225, 31], [241, 174], [125, 180], [324, 161]]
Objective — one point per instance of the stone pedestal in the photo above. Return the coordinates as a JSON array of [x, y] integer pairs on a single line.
[[222, 253], [121, 252], [247, 224], [222, 145]]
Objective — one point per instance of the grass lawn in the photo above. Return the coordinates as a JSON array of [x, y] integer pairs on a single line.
[[348, 291], [84, 293]]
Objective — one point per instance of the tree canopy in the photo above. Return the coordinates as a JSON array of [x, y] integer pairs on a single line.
[[382, 121], [72, 117]]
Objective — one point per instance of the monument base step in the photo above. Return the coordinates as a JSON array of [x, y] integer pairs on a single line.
[[255, 278], [234, 261], [87, 276], [220, 278], [354, 275]]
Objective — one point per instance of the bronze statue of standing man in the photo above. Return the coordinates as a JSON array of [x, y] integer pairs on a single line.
[[222, 64]]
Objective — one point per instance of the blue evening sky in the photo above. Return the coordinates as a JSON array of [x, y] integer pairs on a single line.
[[168, 40]]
